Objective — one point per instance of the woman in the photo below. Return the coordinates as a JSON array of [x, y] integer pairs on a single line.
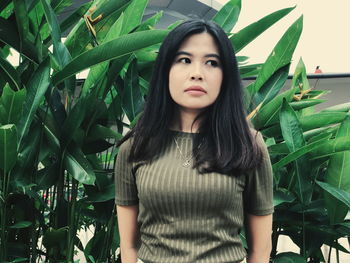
[[191, 174]]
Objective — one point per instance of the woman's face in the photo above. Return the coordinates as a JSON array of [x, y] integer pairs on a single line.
[[195, 76]]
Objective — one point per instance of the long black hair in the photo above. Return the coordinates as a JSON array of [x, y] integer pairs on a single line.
[[227, 143]]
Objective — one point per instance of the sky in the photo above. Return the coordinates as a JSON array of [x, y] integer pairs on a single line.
[[324, 42]]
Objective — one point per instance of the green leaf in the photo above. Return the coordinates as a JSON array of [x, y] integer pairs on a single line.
[[22, 224], [9, 35], [75, 119], [8, 147], [59, 5], [344, 107], [320, 149], [228, 15], [78, 166], [102, 196], [17, 260], [79, 39], [249, 70], [272, 86], [132, 99], [308, 122], [249, 33], [6, 8], [9, 74], [304, 103], [268, 114], [321, 119], [339, 194], [55, 237], [60, 52], [281, 54], [288, 257], [150, 22], [110, 50], [99, 71], [22, 20], [11, 105], [36, 89], [281, 196], [133, 15], [102, 132], [75, 17], [337, 175], [293, 136]]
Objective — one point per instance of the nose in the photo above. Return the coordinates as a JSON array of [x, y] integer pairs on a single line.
[[196, 73]]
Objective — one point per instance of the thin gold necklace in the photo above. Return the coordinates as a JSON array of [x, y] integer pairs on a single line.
[[189, 156]]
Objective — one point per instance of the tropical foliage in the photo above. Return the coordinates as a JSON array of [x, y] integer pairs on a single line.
[[57, 133]]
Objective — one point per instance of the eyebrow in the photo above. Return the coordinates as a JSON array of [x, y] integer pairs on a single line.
[[190, 55]]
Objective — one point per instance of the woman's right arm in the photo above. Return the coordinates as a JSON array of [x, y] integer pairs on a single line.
[[128, 232]]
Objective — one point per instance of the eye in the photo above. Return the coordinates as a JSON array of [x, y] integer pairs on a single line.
[[213, 63], [184, 60]]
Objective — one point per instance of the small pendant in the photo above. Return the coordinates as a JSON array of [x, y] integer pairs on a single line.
[[186, 163]]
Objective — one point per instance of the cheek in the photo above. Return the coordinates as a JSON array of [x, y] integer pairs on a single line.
[[174, 79]]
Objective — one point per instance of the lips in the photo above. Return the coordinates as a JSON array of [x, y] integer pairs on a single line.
[[195, 89]]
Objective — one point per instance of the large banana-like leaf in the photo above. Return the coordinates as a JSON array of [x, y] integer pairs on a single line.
[[305, 103], [22, 20], [99, 71], [150, 22], [300, 80], [288, 257], [60, 51], [317, 149], [99, 132], [133, 15], [75, 17], [293, 136], [339, 194], [281, 54], [79, 37], [6, 8], [8, 147], [132, 98], [337, 175], [318, 120], [344, 107], [110, 50], [271, 87], [78, 166], [75, 119], [11, 105], [9, 74], [36, 89], [249, 33], [249, 70], [309, 122], [10, 36], [228, 15], [59, 5], [268, 114]]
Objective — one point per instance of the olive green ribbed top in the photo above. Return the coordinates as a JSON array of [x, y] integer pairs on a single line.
[[187, 217]]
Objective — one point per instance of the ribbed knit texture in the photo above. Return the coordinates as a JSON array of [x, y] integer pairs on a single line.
[[187, 217]]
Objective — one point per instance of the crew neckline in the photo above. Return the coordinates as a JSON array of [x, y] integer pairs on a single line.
[[184, 134]]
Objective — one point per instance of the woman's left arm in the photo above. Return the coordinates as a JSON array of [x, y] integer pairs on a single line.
[[258, 236]]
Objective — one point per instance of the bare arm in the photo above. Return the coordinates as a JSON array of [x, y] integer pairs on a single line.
[[259, 230], [128, 231]]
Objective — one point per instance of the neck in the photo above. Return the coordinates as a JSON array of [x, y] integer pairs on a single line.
[[184, 119]]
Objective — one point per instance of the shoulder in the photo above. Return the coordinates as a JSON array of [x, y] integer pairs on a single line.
[[257, 137], [125, 147]]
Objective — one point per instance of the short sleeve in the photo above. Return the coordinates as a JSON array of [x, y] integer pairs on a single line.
[[125, 184], [258, 191]]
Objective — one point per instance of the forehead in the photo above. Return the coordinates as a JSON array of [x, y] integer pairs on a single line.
[[202, 42]]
